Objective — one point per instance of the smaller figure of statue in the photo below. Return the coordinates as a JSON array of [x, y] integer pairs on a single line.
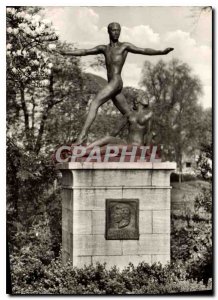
[[138, 121]]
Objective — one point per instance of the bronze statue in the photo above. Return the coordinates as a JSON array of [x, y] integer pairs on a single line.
[[115, 55], [139, 126]]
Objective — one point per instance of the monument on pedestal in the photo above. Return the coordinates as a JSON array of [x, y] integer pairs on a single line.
[[116, 210]]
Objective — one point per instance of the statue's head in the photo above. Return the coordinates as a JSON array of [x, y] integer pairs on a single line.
[[114, 31], [121, 214], [141, 101]]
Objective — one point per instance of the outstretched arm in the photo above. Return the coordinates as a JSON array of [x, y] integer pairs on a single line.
[[149, 134], [83, 52], [146, 51]]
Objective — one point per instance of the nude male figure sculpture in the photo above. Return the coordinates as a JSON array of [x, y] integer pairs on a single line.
[[115, 54]]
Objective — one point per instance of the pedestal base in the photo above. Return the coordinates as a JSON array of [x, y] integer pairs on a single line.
[[116, 212]]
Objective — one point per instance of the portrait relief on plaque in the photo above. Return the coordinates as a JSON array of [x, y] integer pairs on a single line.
[[122, 219]]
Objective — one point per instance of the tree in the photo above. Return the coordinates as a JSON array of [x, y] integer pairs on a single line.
[[64, 92], [205, 161], [28, 46], [174, 92], [38, 78], [198, 11]]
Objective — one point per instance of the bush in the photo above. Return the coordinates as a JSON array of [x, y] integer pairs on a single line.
[[191, 238], [57, 278], [205, 161], [32, 201]]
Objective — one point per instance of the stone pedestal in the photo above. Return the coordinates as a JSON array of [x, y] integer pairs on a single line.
[[116, 212]]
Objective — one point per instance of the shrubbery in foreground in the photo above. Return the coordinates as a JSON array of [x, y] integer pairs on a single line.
[[36, 278]]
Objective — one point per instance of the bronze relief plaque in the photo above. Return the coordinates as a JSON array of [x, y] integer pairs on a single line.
[[122, 219]]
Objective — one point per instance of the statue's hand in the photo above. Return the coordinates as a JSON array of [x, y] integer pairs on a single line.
[[168, 50], [57, 51], [61, 52]]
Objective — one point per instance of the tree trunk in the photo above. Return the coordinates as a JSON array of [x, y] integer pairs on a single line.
[[26, 118], [38, 144], [51, 103], [180, 168], [24, 108]]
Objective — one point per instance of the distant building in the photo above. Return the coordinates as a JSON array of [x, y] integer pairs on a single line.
[[189, 162]]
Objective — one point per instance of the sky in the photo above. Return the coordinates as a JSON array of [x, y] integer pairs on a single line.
[[181, 27]]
